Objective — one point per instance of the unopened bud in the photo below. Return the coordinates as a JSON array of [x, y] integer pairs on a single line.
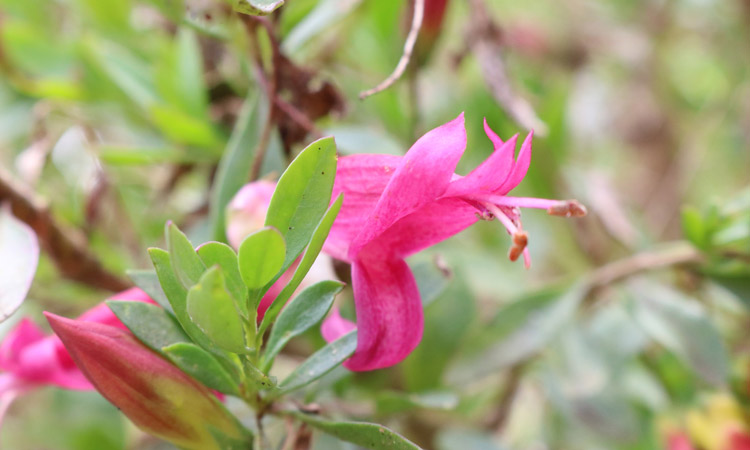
[[157, 396]]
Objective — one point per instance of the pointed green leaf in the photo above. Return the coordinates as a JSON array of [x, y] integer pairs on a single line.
[[302, 196], [177, 296], [307, 309], [212, 309], [316, 244], [363, 434], [149, 323], [148, 281], [235, 165], [202, 366], [321, 362], [261, 256], [222, 255], [185, 261]]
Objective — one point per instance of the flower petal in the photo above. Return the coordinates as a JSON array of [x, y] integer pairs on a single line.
[[389, 311], [335, 326], [519, 168], [23, 335], [362, 179], [488, 176], [422, 177], [428, 226]]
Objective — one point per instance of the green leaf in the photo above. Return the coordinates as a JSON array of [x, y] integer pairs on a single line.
[[683, 326], [177, 296], [148, 281], [202, 366], [149, 323], [139, 156], [307, 309], [316, 244], [321, 362], [19, 256], [261, 256], [256, 7], [179, 75], [222, 255], [302, 196], [211, 307], [185, 261], [178, 126], [363, 434], [694, 227], [235, 165], [520, 330]]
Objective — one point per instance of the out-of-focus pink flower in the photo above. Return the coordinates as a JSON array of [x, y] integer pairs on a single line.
[[246, 214], [31, 359], [678, 440], [396, 206], [157, 396]]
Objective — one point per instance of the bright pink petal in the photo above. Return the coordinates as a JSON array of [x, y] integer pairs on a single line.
[[41, 363], [23, 335], [335, 326], [428, 226], [362, 179], [488, 176], [102, 314], [422, 177], [389, 311], [519, 168]]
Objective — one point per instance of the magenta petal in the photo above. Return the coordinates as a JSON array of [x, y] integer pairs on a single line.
[[496, 141], [428, 226], [389, 311], [23, 335], [488, 176], [519, 168], [41, 363], [335, 326], [421, 177], [362, 179]]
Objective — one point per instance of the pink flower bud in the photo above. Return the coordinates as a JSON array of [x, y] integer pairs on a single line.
[[155, 395], [246, 212]]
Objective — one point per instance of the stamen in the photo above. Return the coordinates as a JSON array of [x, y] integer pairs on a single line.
[[520, 239], [567, 208]]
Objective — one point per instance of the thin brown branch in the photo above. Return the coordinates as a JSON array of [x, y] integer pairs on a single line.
[[672, 254], [501, 414], [411, 39], [66, 247]]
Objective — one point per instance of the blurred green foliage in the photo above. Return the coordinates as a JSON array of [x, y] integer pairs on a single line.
[[118, 114]]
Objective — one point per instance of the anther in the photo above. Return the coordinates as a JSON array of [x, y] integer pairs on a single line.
[[567, 208], [520, 240]]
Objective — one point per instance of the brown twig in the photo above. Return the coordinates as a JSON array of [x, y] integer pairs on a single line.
[[672, 254], [411, 39], [500, 415], [65, 247]]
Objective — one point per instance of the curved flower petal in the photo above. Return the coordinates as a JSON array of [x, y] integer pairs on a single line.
[[488, 176], [389, 311], [519, 168], [422, 176], [428, 226], [23, 335], [335, 326], [362, 179]]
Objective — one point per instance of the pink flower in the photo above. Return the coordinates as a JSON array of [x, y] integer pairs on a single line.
[[396, 206], [30, 359]]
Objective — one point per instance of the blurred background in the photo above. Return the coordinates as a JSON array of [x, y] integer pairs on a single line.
[[630, 330]]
